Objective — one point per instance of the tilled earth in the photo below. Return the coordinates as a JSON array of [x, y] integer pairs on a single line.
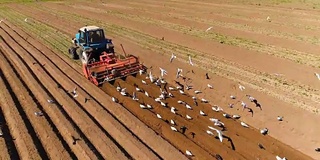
[[97, 128]]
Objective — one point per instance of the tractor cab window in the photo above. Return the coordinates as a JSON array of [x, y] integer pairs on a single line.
[[96, 36], [82, 37]]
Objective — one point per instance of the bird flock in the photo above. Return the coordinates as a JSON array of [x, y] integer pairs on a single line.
[[169, 91]]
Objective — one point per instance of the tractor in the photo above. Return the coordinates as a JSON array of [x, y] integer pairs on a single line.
[[100, 63]]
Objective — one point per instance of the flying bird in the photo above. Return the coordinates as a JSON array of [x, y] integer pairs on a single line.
[[244, 125], [218, 131], [208, 29], [172, 57], [190, 61], [163, 72], [179, 73]]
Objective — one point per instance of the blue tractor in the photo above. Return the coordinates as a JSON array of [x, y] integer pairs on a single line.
[[90, 39], [99, 62]]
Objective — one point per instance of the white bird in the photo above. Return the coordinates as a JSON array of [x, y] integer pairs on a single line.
[[179, 73], [1, 20], [209, 132], [204, 100], [279, 158], [141, 71], [210, 86], [163, 72], [123, 89], [144, 82], [208, 29], [146, 93], [157, 99], [26, 19], [149, 106], [162, 81], [163, 104], [244, 105], [143, 106], [189, 153], [217, 108], [171, 88], [38, 113], [188, 117], [170, 95], [235, 116], [181, 102], [50, 101], [317, 75], [194, 98], [173, 110], [162, 96], [123, 93], [219, 133], [268, 18], [233, 97], [188, 87], [174, 129], [226, 115], [179, 87], [190, 61], [172, 122], [181, 91], [202, 113], [138, 89], [158, 115], [241, 87], [197, 91], [74, 92], [279, 118], [264, 131], [134, 96], [151, 77], [118, 88], [216, 122], [188, 106], [115, 99], [244, 125], [172, 57]]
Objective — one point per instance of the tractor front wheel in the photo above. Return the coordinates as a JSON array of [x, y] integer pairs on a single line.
[[73, 53]]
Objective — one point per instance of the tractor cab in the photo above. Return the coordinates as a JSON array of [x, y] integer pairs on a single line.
[[90, 39]]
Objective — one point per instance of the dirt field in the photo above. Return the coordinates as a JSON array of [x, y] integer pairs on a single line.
[[275, 60]]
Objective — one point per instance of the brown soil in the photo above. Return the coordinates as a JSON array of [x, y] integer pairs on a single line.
[[123, 135]]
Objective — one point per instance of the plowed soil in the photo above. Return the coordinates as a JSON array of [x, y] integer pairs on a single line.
[[35, 69]]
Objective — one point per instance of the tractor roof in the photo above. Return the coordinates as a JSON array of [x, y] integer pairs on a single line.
[[89, 28]]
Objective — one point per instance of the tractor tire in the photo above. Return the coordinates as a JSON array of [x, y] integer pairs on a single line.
[[73, 53], [79, 52]]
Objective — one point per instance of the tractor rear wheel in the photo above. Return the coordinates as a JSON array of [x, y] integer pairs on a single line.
[[73, 53]]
